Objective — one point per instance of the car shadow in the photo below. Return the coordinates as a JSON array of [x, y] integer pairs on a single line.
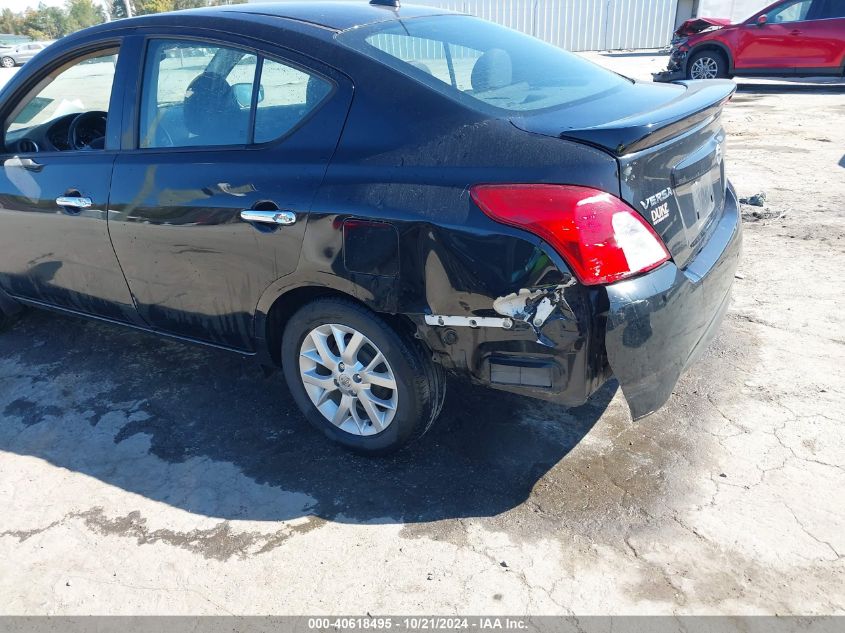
[[205, 431], [651, 53]]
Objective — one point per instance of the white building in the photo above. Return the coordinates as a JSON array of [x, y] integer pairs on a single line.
[[735, 10], [582, 25]]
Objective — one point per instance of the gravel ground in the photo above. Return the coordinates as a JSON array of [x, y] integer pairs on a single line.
[[140, 475]]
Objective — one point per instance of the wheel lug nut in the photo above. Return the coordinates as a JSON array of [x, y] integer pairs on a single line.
[[357, 377], [341, 367]]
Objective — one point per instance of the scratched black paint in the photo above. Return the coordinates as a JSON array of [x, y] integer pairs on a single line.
[[163, 248]]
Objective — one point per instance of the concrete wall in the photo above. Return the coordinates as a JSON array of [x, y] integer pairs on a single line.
[[735, 10]]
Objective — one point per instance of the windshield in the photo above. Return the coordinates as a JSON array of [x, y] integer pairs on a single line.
[[465, 57]]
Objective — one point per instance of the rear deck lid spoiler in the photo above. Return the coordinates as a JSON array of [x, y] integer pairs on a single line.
[[658, 115]]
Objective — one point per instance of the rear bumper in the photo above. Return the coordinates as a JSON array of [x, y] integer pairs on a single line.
[[659, 323], [644, 331]]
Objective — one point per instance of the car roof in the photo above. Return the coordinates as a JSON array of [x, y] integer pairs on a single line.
[[320, 17], [337, 15]]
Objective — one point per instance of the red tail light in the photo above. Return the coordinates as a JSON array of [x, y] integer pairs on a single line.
[[600, 237]]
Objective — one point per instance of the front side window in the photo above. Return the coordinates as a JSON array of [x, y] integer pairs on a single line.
[[47, 113], [789, 12], [832, 9], [198, 94], [465, 57]]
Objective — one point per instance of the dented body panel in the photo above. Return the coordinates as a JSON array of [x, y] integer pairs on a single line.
[[697, 25]]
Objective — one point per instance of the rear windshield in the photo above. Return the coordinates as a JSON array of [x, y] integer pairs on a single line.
[[465, 57]]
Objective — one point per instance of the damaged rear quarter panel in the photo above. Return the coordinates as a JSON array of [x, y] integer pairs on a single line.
[[408, 158]]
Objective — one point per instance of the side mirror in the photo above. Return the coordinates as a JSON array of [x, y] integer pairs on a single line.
[[762, 20], [243, 94]]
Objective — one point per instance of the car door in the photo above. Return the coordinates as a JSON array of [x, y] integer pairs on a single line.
[[826, 30], [23, 54], [210, 198], [784, 42], [27, 52], [54, 242]]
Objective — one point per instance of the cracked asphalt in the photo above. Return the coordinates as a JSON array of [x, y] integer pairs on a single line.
[[143, 476]]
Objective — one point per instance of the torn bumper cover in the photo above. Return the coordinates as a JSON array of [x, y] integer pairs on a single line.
[[660, 322], [667, 76], [676, 68]]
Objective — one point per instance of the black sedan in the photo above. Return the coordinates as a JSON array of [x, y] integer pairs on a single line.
[[368, 196]]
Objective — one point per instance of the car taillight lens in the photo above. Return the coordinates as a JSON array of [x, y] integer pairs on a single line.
[[600, 237]]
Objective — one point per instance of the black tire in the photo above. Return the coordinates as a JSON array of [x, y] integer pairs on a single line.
[[7, 62], [710, 59], [420, 382]]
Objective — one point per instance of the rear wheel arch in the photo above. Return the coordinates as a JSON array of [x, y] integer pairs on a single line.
[[410, 384], [285, 304]]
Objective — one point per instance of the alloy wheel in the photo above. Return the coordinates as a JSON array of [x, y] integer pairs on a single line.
[[348, 379], [7, 62], [704, 68]]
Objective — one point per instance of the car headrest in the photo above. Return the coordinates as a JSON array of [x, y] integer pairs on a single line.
[[492, 70], [423, 67], [208, 99]]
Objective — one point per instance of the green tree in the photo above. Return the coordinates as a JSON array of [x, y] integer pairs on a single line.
[[118, 8], [145, 7], [189, 4], [10, 22], [44, 23], [50, 23], [81, 14]]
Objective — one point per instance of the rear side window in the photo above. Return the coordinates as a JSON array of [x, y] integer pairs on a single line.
[[795, 11], [286, 96], [483, 63], [203, 95]]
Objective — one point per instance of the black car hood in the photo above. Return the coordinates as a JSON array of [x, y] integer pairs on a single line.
[[634, 117]]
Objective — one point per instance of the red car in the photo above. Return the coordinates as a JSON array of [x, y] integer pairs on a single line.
[[788, 38]]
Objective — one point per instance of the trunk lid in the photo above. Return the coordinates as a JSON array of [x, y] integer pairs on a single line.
[[669, 142]]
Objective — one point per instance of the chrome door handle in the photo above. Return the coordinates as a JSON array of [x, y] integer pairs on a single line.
[[24, 163], [31, 165], [268, 217], [75, 202]]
